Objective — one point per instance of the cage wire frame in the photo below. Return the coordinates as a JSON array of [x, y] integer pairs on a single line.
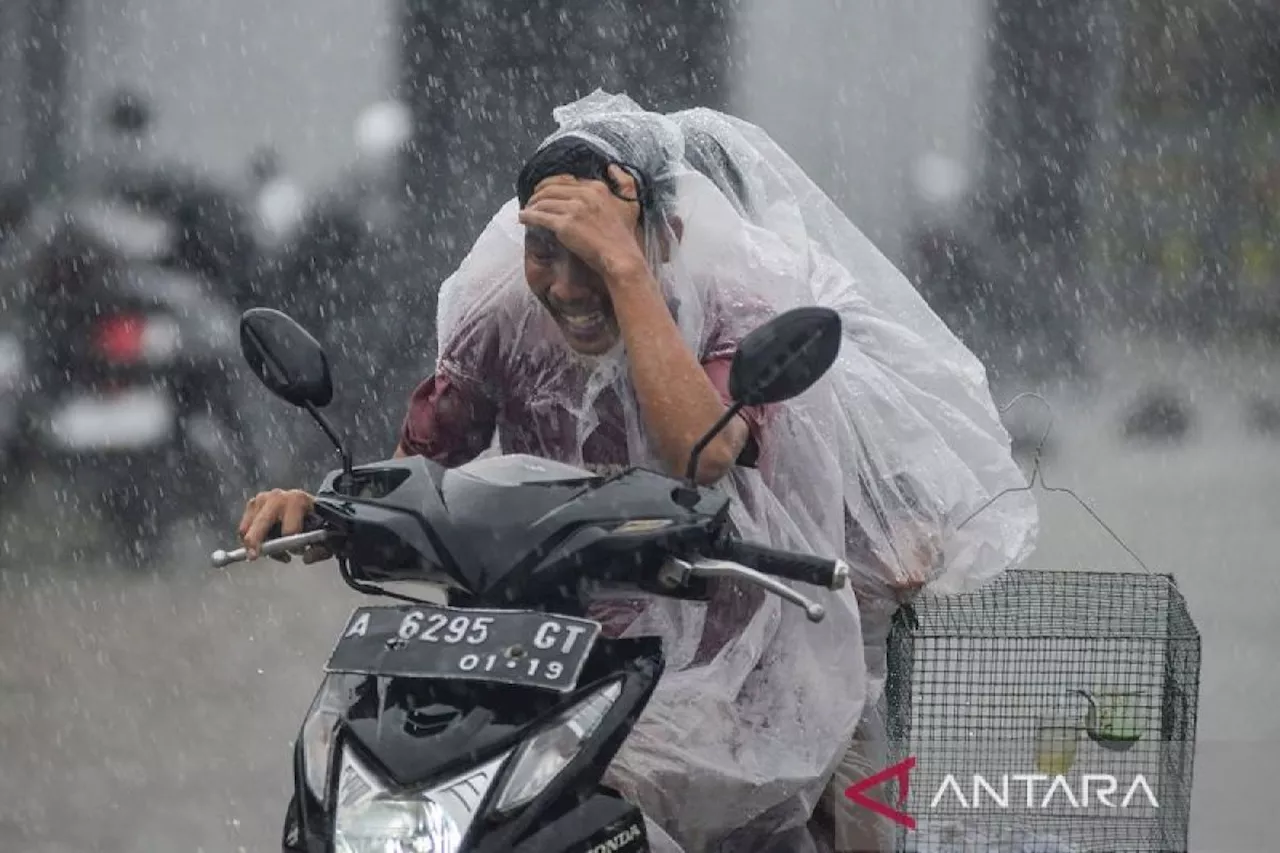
[[992, 684]]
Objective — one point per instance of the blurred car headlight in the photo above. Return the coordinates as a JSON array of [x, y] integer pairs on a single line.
[[541, 759]]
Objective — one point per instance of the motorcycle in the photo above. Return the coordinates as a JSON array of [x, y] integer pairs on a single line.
[[126, 381], [486, 724]]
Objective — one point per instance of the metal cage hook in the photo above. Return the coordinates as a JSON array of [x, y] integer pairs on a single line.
[[1037, 474]]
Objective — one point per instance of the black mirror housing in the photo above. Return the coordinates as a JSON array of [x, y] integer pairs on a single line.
[[784, 358], [777, 361], [286, 358]]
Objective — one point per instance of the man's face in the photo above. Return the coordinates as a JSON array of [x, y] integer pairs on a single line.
[[573, 293]]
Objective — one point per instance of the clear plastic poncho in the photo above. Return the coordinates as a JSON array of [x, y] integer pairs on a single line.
[[736, 745], [929, 446]]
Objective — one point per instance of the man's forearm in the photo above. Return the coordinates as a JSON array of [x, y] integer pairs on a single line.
[[677, 400]]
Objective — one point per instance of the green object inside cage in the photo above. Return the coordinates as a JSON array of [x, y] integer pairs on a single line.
[[1055, 706]]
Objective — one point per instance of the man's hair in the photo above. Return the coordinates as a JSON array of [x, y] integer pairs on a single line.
[[641, 153]]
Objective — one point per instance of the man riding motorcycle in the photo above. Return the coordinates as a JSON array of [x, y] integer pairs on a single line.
[[593, 323]]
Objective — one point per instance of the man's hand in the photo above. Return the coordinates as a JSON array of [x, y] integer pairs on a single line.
[[289, 509], [917, 568], [903, 576], [598, 227]]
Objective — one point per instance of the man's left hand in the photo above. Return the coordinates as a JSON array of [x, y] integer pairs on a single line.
[[911, 568], [589, 220], [917, 572]]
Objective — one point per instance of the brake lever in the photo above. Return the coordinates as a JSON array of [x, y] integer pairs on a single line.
[[677, 572]]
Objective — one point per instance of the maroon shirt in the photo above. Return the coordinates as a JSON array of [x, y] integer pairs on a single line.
[[451, 422]]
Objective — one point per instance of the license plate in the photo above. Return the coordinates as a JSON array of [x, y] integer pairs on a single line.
[[429, 641], [125, 420]]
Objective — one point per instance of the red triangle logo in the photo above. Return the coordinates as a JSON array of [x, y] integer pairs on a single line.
[[900, 771]]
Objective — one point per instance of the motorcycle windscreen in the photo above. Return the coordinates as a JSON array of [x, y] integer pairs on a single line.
[[516, 470]]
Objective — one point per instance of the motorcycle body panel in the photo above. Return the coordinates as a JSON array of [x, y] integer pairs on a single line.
[[510, 533], [494, 540], [415, 734]]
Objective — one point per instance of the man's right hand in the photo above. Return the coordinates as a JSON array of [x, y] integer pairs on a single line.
[[288, 508]]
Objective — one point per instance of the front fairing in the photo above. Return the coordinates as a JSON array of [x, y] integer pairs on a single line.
[[513, 532], [415, 734]]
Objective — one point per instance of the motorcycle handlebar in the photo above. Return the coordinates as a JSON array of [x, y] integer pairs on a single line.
[[296, 542], [805, 568]]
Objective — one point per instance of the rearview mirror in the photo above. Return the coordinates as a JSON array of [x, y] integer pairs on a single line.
[[779, 360], [784, 357], [285, 357]]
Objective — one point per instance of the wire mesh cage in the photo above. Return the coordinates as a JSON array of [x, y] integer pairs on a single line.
[[1049, 712]]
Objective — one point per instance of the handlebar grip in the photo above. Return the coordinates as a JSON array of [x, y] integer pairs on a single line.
[[310, 522], [271, 547], [805, 568]]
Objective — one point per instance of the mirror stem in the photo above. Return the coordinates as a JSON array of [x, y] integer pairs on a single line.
[[333, 437], [691, 473]]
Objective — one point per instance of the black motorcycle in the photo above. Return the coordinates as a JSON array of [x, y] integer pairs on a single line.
[[126, 382], [487, 725]]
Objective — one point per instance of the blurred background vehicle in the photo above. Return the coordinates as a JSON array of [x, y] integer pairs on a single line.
[[127, 386]]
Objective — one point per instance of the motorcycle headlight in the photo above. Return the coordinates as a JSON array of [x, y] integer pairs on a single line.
[[541, 759], [369, 819], [397, 826]]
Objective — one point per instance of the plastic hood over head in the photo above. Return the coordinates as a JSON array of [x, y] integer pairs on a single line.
[[757, 704]]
